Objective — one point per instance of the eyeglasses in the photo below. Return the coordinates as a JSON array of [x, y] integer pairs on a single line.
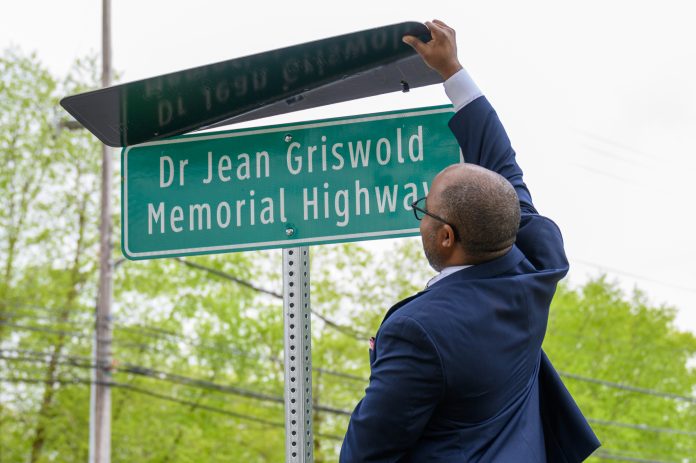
[[420, 211]]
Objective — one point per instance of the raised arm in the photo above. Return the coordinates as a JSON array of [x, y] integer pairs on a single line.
[[476, 126]]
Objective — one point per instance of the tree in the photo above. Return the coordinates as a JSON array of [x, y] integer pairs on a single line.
[[48, 212], [597, 332]]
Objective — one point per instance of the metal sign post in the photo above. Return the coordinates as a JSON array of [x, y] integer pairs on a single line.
[[299, 438]]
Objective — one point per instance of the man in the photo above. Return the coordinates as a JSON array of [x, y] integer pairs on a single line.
[[458, 374]]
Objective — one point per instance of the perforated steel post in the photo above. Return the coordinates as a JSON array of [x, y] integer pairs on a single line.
[[299, 438]]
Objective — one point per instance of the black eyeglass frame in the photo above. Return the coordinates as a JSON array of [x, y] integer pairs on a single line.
[[416, 208]]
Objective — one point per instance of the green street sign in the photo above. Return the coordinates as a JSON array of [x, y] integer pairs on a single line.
[[326, 181]]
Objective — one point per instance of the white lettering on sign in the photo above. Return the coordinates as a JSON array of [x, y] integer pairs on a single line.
[[199, 211], [243, 170], [155, 215], [176, 216], [333, 178], [317, 203], [360, 153], [170, 164], [418, 138], [167, 164], [200, 215], [321, 205]]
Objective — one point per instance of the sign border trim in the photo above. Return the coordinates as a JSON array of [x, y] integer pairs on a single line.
[[424, 111]]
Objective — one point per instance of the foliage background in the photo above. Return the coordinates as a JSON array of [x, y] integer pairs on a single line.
[[198, 345]]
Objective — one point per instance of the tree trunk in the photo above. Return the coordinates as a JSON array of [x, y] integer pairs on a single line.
[[50, 390]]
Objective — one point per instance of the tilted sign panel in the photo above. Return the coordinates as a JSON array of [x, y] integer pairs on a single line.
[[333, 180]]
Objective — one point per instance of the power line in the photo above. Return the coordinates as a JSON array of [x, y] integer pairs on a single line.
[[227, 276], [616, 144], [626, 387], [340, 374], [199, 343], [14, 303], [140, 390], [209, 385], [42, 318], [553, 332], [604, 455], [145, 331], [641, 427], [659, 445], [40, 329], [346, 330], [193, 382], [214, 409], [633, 275], [179, 338], [610, 175], [238, 391], [158, 395], [574, 376], [159, 375], [613, 155]]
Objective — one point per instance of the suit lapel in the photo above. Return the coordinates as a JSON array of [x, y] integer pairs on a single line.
[[400, 304]]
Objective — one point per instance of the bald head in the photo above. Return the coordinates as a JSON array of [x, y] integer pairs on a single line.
[[482, 205]]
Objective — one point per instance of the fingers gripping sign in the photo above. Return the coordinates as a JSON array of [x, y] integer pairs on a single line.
[[440, 53]]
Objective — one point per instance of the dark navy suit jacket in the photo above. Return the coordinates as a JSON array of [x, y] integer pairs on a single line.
[[458, 374]]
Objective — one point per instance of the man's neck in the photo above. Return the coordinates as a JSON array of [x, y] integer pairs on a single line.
[[445, 272]]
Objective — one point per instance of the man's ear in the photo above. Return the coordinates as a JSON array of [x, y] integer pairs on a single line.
[[445, 237]]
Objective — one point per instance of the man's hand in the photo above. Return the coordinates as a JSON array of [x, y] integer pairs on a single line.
[[441, 52]]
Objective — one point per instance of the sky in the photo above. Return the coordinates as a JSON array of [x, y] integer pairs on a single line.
[[598, 97]]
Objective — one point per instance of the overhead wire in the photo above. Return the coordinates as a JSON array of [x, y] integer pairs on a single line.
[[662, 445], [158, 395], [184, 380], [615, 156], [632, 275], [610, 455], [610, 384], [179, 338], [617, 144], [603, 454], [608, 341], [209, 385], [346, 330], [610, 175], [204, 344], [41, 329], [197, 344], [628, 387], [641, 427]]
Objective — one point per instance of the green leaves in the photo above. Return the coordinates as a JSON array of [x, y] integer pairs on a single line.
[[598, 333]]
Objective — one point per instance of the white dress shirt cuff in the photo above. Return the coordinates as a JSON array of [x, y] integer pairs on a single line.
[[461, 89]]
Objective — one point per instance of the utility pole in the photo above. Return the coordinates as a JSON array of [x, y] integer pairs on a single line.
[[100, 416]]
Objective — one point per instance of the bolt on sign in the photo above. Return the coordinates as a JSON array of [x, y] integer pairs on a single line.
[[325, 181]]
